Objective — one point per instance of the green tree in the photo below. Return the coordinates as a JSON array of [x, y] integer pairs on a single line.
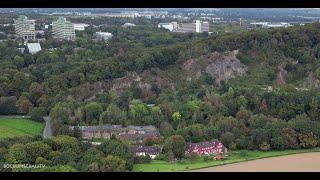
[[115, 147], [37, 114], [17, 154], [24, 105], [92, 112], [37, 149], [112, 164], [175, 144]]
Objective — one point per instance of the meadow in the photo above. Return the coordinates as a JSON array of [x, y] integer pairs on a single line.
[[17, 127]]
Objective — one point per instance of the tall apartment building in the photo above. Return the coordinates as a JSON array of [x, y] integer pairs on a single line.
[[63, 29], [25, 28]]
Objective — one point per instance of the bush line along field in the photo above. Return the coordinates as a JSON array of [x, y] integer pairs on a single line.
[[234, 157], [17, 127]]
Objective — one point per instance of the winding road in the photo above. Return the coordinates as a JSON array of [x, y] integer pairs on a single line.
[[304, 162], [47, 132]]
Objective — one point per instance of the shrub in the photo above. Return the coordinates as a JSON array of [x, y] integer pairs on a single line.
[[264, 146], [243, 153], [206, 158], [307, 140], [142, 159], [193, 157], [37, 114]]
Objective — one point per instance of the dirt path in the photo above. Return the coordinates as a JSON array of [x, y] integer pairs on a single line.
[[305, 162]]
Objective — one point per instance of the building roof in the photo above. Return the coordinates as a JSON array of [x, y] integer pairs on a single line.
[[33, 47], [128, 24], [104, 33], [97, 128], [142, 128], [213, 143], [145, 149]]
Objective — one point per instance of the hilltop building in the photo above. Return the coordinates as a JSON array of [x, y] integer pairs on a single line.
[[63, 29], [25, 28]]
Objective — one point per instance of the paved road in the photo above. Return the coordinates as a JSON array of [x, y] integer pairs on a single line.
[[47, 132], [305, 162]]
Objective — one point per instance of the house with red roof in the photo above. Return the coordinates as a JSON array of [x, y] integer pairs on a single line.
[[213, 147]]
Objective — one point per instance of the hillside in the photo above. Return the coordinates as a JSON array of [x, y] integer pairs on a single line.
[[255, 89]]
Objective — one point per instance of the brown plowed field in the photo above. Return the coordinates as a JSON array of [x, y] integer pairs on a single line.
[[305, 162]]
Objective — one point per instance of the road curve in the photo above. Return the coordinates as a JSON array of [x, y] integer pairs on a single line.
[[304, 162]]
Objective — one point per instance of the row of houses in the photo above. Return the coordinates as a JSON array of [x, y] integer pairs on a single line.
[[207, 148], [135, 134]]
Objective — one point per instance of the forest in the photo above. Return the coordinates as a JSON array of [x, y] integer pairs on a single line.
[[273, 105]]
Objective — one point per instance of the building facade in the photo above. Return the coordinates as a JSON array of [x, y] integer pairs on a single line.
[[63, 29], [197, 27], [25, 28], [168, 26], [103, 35], [135, 134], [151, 151], [213, 147]]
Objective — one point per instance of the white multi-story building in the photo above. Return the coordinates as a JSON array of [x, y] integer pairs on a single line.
[[197, 27], [25, 28], [63, 29], [168, 26], [103, 35]]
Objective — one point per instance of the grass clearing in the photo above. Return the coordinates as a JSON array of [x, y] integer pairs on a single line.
[[17, 127], [234, 157]]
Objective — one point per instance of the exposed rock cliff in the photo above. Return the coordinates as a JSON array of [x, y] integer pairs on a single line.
[[312, 81], [282, 76], [219, 66]]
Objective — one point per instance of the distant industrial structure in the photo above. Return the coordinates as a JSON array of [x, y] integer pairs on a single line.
[[63, 29], [25, 28], [270, 25], [197, 27]]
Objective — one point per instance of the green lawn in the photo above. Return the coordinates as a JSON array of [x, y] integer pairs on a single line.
[[16, 127], [234, 157]]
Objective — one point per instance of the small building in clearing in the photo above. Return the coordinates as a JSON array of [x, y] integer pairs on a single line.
[[33, 48], [151, 151]]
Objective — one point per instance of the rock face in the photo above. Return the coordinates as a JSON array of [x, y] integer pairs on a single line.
[[143, 81], [219, 66], [312, 81], [281, 76]]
